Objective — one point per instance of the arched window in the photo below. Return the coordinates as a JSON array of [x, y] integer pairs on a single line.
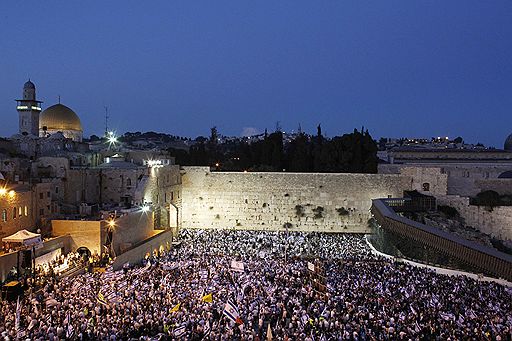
[[14, 211], [426, 187], [128, 182]]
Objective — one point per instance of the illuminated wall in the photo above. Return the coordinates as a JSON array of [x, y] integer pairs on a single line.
[[307, 201]]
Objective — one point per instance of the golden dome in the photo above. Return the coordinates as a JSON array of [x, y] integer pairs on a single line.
[[59, 117]]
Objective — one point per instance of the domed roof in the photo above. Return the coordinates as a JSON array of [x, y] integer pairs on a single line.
[[29, 85], [508, 143], [59, 117]]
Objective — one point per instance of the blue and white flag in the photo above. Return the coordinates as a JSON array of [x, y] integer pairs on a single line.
[[180, 331], [207, 329], [70, 331], [231, 312]]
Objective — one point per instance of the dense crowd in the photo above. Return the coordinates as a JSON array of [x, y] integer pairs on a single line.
[[185, 293]]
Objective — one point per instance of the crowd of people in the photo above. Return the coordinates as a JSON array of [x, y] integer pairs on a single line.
[[253, 285]]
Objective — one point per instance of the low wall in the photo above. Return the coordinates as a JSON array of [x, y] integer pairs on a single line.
[[475, 255], [502, 186], [497, 223], [62, 242], [268, 201], [161, 241]]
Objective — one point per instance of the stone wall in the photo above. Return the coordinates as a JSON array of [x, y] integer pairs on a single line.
[[16, 210], [268, 201], [82, 233], [163, 188], [502, 186], [464, 179], [131, 228], [497, 222], [160, 242], [427, 180]]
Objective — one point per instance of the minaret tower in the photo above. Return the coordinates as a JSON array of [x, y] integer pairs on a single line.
[[28, 110]]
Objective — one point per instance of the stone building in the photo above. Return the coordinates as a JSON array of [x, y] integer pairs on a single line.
[[16, 209], [466, 170]]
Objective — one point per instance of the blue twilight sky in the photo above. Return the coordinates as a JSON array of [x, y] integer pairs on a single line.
[[400, 68]]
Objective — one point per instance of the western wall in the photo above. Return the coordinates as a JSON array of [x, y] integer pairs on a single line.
[[324, 202]]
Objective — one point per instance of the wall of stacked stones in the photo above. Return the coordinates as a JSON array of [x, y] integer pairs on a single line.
[[267, 201], [496, 222]]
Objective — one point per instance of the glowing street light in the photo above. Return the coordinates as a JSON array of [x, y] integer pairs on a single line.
[[111, 139], [111, 223], [145, 208], [3, 191]]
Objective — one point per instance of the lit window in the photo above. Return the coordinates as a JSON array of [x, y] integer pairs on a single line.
[[20, 211], [14, 213], [26, 211], [4, 215]]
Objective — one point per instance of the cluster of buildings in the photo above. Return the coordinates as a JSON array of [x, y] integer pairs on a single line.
[[55, 183], [102, 196]]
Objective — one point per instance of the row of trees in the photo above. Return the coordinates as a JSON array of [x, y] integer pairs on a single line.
[[350, 153]]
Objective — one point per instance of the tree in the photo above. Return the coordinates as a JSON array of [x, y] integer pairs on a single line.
[[488, 198]]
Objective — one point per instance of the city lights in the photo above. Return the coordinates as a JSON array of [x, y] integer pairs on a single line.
[[3, 191], [145, 208]]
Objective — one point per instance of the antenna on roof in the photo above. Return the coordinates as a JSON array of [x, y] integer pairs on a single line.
[[106, 121], [59, 99]]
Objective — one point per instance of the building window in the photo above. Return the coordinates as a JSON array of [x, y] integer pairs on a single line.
[[57, 190], [20, 211], [4, 215], [172, 196], [41, 211], [41, 195], [14, 213], [26, 211], [128, 182], [48, 194], [426, 187]]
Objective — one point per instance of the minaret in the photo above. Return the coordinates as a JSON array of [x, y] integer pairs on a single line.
[[28, 110]]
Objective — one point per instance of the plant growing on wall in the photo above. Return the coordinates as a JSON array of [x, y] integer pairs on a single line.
[[319, 212], [299, 211], [342, 211], [287, 225]]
